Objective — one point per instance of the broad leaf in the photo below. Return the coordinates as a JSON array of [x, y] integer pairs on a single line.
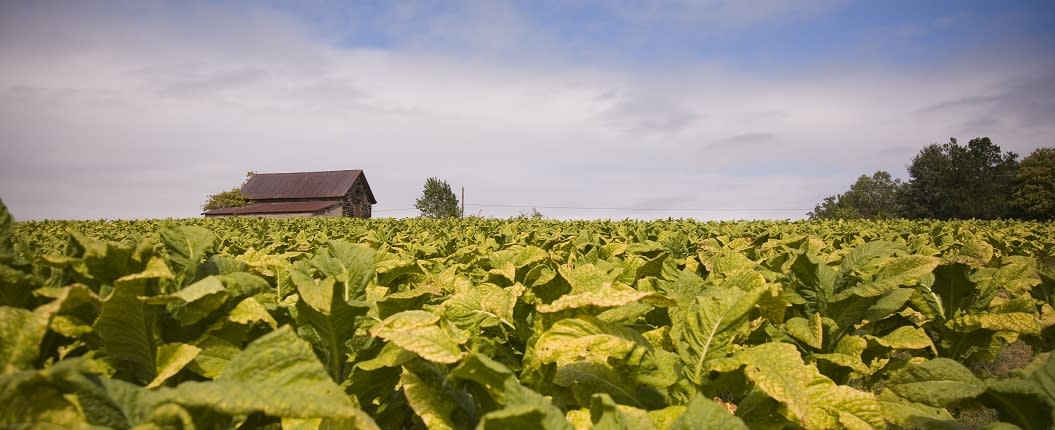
[[22, 332], [171, 358], [324, 307], [127, 328], [705, 413], [277, 375], [710, 326], [429, 401], [187, 246], [940, 382], [521, 405], [904, 413], [810, 332], [418, 332]]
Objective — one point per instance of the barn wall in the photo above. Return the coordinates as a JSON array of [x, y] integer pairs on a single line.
[[282, 215], [331, 212], [356, 203]]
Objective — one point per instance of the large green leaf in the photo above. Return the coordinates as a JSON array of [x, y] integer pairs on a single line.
[[195, 302], [890, 303], [1028, 397], [1018, 322], [127, 327], [99, 263], [331, 305], [417, 331], [848, 353], [595, 287], [1021, 401], [39, 399], [508, 262], [810, 332], [605, 297], [859, 257], [606, 414], [22, 332], [907, 414], [713, 322], [481, 306], [1016, 276], [171, 358], [808, 397], [429, 401], [586, 338], [348, 264], [840, 406], [593, 356], [940, 382], [705, 413], [905, 337], [187, 246], [521, 406], [901, 271], [277, 375], [972, 251], [251, 311]]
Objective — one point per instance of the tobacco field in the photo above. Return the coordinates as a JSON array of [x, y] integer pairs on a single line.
[[514, 324]]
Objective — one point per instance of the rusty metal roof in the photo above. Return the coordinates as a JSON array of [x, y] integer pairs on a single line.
[[303, 185], [272, 208]]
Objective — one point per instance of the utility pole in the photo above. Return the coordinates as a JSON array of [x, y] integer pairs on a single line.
[[462, 215]]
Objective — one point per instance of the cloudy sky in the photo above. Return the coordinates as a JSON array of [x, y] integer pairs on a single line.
[[710, 109]]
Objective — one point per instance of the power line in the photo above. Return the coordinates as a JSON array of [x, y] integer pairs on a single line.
[[619, 208], [642, 209]]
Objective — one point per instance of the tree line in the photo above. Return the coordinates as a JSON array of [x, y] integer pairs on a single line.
[[953, 181]]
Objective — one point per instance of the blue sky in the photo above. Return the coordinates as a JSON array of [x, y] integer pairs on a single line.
[[742, 34], [712, 109]]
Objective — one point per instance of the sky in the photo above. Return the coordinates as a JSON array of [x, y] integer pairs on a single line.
[[582, 109]]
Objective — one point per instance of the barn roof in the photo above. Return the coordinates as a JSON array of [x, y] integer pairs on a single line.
[[303, 185], [272, 208]]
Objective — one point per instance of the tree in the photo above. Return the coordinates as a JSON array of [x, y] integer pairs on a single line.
[[951, 181], [876, 196], [1034, 195], [228, 199], [533, 214], [437, 200]]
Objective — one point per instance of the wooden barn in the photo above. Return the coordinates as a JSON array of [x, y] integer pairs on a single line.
[[304, 194]]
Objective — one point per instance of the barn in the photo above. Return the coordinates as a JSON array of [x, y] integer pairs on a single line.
[[304, 194]]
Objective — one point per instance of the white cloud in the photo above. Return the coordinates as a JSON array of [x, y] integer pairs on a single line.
[[144, 117]]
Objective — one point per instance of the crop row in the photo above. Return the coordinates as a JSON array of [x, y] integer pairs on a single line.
[[481, 323]]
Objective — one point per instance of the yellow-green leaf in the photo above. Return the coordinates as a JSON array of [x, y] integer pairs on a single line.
[[811, 331], [171, 358], [417, 331]]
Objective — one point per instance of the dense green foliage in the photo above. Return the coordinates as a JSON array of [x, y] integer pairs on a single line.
[[871, 197], [227, 199], [437, 200], [952, 181], [497, 324], [1034, 196]]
